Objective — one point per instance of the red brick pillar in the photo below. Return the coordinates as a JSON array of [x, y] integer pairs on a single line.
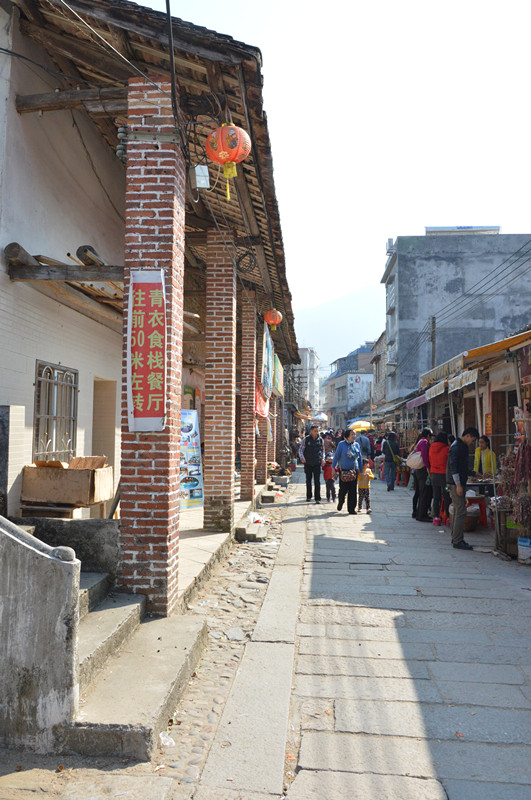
[[248, 382], [220, 384], [154, 239], [262, 448]]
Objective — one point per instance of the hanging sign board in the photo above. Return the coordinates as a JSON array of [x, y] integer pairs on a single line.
[[146, 351], [488, 423], [278, 377], [465, 379], [191, 471]]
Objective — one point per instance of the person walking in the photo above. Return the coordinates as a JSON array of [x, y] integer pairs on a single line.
[[438, 456], [347, 459], [390, 450], [329, 475], [456, 478], [364, 444], [311, 454], [420, 477], [364, 486]]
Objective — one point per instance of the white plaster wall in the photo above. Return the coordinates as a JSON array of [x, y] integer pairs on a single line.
[[358, 391], [52, 202]]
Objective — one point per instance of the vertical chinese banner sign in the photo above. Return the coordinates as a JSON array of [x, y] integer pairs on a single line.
[[146, 351]]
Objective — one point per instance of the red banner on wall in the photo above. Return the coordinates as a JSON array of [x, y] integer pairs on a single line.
[[146, 351]]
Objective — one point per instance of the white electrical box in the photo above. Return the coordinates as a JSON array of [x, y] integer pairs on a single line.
[[199, 177]]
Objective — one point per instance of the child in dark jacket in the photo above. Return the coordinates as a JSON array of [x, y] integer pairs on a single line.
[[329, 475]]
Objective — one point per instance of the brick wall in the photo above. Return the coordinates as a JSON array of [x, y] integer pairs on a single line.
[[154, 239], [220, 384], [248, 380]]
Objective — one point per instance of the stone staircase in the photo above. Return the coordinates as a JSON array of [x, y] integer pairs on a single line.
[[132, 672]]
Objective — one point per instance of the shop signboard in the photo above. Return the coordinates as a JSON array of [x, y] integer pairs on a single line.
[[278, 377], [525, 365], [488, 423], [188, 400], [443, 371], [465, 379], [191, 470], [146, 351]]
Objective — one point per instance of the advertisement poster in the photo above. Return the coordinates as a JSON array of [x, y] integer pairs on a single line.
[[146, 351], [191, 484], [267, 364]]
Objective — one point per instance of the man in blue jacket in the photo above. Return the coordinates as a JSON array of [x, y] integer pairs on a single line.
[[348, 457], [456, 478]]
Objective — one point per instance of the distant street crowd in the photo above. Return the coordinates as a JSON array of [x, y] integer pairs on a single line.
[[439, 466]]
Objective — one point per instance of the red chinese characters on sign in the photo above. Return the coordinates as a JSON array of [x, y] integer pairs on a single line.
[[146, 354]]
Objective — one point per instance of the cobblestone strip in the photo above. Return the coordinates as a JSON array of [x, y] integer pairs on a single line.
[[230, 603]]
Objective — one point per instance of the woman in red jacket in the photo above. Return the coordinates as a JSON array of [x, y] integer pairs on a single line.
[[438, 456]]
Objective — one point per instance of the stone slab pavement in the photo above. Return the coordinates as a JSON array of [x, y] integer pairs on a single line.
[[412, 676]]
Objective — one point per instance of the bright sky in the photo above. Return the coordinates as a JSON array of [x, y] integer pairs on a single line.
[[384, 117]]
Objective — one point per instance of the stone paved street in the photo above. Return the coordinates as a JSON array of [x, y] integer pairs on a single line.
[[350, 658], [413, 665]]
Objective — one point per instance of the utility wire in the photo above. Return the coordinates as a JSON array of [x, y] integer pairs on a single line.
[[466, 302]]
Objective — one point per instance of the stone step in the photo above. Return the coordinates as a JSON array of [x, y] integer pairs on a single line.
[[93, 587], [104, 630], [130, 701], [267, 498]]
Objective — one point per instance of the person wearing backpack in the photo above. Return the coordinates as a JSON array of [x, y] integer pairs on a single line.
[[423, 491]]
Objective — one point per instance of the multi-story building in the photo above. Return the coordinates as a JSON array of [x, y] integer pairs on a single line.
[[379, 370], [451, 287], [306, 375], [348, 386]]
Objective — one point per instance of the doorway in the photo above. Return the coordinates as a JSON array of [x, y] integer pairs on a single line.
[[104, 430]]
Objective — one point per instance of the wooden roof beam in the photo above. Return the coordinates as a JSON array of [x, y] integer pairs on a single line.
[[71, 98]]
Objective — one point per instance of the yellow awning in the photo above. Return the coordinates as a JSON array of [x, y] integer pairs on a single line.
[[496, 348]]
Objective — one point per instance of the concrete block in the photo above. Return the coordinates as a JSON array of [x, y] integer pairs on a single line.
[[372, 650], [500, 695], [310, 785], [278, 615], [259, 701], [366, 688], [475, 673], [266, 498], [433, 721], [469, 790], [429, 759], [359, 667]]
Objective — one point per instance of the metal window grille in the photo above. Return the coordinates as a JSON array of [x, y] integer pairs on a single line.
[[55, 420]]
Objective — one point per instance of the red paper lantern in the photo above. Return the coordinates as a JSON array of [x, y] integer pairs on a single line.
[[273, 318], [228, 145]]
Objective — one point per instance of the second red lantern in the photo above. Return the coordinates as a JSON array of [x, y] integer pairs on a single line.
[[273, 318]]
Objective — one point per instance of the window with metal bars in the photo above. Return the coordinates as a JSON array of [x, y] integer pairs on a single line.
[[55, 419]]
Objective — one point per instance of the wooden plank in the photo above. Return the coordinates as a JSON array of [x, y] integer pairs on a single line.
[[115, 16], [83, 53], [55, 101], [71, 298], [65, 272]]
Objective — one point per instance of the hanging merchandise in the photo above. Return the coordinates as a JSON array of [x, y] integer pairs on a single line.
[[228, 145], [273, 318]]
